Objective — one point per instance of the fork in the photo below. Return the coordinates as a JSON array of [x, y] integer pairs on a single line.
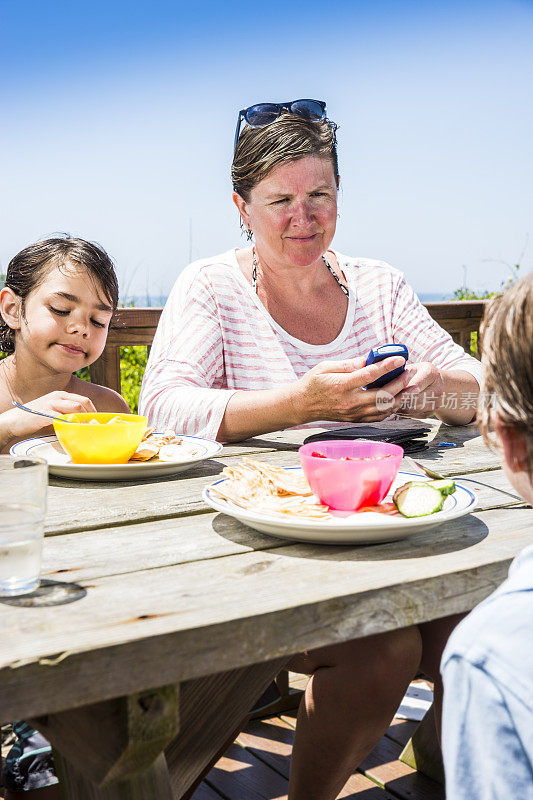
[[428, 472], [40, 413], [437, 477]]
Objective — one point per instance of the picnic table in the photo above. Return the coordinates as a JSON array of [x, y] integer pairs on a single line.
[[181, 616]]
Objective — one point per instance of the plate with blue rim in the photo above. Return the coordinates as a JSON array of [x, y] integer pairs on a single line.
[[344, 527], [195, 449]]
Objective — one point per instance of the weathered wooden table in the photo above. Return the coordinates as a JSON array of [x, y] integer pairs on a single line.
[[188, 614]]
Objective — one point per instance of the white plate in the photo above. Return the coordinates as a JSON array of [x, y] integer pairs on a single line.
[[59, 463], [344, 527]]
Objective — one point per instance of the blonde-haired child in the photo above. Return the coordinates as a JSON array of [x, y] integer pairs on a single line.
[[487, 666]]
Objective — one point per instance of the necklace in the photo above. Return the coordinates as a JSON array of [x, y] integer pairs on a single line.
[[344, 288]]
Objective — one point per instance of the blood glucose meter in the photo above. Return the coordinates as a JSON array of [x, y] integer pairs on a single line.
[[386, 351]]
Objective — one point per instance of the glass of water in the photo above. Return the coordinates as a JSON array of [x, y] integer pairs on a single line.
[[23, 488]]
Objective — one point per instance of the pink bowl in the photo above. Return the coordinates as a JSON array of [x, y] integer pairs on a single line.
[[349, 485]]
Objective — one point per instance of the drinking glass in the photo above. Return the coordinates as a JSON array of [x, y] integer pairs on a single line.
[[23, 488]]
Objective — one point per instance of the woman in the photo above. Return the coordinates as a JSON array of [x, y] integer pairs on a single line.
[[276, 335]]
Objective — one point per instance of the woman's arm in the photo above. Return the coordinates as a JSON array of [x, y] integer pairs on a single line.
[[447, 378], [183, 385], [253, 412], [332, 390], [459, 399], [449, 394]]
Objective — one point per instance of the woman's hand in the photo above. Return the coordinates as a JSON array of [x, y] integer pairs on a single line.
[[333, 390], [424, 392], [17, 423]]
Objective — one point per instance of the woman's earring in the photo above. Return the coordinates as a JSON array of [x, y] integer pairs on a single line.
[[246, 230]]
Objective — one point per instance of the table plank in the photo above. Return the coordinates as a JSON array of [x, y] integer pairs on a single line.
[[79, 505], [198, 614], [85, 555]]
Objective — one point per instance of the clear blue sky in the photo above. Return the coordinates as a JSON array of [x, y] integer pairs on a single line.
[[118, 122]]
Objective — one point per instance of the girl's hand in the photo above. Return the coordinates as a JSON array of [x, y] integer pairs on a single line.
[[333, 390], [20, 423], [424, 391]]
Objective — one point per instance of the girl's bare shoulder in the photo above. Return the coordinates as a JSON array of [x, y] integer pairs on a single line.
[[104, 399], [5, 397]]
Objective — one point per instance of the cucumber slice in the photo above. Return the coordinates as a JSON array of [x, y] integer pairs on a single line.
[[417, 499], [407, 485], [445, 487]]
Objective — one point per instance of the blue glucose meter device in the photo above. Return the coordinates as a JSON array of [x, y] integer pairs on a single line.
[[386, 351]]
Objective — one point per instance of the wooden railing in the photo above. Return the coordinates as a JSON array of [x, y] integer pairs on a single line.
[[461, 318], [130, 326], [137, 326]]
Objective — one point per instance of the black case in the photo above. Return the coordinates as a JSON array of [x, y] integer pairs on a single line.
[[411, 439]]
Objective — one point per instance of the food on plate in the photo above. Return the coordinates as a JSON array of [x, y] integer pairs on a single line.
[[381, 508], [445, 486], [100, 437], [416, 499], [145, 451], [316, 454], [113, 421], [265, 488], [262, 487], [172, 451], [347, 475], [419, 498], [165, 446]]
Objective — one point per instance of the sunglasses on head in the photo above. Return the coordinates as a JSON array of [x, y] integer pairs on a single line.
[[264, 113]]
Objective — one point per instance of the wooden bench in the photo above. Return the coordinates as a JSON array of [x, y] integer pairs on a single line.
[[137, 326]]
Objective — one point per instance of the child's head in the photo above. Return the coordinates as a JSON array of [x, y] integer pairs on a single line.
[[506, 402], [29, 269]]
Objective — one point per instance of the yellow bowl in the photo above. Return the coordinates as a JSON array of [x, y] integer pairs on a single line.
[[100, 444]]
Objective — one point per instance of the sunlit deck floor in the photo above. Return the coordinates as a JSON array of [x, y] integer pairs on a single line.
[[256, 766]]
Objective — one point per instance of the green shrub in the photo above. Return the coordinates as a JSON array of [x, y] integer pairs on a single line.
[[464, 293], [132, 365], [83, 373]]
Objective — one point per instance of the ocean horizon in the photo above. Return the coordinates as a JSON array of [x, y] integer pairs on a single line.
[[157, 301]]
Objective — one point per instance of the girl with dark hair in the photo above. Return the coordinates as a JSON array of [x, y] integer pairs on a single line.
[[55, 310]]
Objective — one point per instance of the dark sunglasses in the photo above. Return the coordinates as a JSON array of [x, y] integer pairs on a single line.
[[265, 113]]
